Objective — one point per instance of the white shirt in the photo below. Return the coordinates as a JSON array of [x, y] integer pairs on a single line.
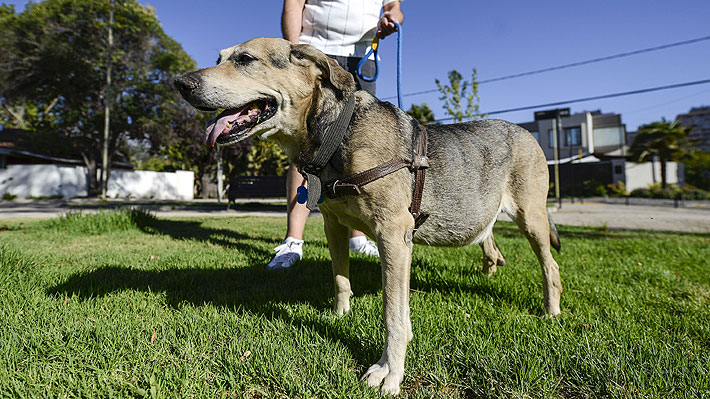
[[341, 27]]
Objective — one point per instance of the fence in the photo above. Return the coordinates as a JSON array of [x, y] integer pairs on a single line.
[[26, 181]]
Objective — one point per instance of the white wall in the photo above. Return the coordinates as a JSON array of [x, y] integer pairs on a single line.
[[148, 184], [640, 175], [70, 181]]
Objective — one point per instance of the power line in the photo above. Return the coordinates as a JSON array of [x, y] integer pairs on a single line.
[[626, 93], [574, 64]]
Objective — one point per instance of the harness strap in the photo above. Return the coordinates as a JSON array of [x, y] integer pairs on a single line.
[[419, 164], [330, 142], [350, 186]]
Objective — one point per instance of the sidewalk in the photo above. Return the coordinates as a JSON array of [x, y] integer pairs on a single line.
[[43, 209], [661, 217], [644, 217]]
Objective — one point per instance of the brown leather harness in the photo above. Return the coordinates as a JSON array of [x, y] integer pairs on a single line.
[[350, 186]]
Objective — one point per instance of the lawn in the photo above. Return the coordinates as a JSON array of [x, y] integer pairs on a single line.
[[123, 304]]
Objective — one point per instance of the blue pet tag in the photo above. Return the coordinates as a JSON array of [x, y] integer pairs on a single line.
[[301, 195]]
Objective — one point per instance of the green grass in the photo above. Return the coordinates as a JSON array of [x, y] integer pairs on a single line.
[[123, 304]]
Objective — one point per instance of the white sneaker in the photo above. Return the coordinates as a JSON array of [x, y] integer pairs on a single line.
[[287, 254], [361, 245]]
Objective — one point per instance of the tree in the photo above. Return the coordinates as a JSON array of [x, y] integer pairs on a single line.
[[697, 170], [665, 140], [422, 113], [53, 74], [454, 94]]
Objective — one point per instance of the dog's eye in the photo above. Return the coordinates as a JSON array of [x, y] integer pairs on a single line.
[[243, 59]]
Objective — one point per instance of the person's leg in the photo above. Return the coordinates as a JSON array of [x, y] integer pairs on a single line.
[[291, 251], [358, 242], [296, 214]]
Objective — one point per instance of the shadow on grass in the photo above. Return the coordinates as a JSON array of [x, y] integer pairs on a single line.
[[475, 284], [251, 289], [194, 230], [256, 290]]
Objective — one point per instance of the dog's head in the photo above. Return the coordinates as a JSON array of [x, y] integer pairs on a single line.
[[264, 86]]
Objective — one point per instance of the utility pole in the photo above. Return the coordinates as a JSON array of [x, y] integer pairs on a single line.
[[107, 106], [557, 115], [558, 128]]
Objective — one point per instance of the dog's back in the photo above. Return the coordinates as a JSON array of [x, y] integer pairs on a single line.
[[472, 168]]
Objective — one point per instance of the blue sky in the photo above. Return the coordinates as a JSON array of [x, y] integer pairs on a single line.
[[500, 38]]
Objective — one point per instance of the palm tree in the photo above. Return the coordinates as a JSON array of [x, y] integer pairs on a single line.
[[665, 139]]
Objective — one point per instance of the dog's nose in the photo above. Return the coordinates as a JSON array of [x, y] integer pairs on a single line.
[[186, 83]]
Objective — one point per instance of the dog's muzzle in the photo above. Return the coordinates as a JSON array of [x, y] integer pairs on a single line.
[[187, 83]]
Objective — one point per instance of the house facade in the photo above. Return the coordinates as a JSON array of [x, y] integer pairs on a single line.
[[582, 134], [592, 151]]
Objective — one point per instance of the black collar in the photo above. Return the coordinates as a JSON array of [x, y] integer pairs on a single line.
[[330, 142]]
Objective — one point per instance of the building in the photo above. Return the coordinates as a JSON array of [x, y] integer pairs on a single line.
[[592, 152], [583, 134], [698, 121]]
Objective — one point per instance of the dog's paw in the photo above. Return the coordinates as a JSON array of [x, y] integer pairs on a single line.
[[380, 373], [553, 312], [342, 303], [341, 308]]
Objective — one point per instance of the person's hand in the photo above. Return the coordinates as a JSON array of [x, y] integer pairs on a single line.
[[385, 26]]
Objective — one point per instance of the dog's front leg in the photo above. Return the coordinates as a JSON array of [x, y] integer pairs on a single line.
[[395, 244], [337, 236]]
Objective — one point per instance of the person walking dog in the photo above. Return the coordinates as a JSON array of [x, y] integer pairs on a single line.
[[343, 30]]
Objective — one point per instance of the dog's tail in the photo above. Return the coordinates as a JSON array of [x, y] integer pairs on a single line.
[[554, 236]]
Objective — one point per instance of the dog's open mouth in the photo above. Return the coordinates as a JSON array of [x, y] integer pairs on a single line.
[[232, 125]]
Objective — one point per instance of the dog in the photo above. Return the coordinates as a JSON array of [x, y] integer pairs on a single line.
[[291, 94]]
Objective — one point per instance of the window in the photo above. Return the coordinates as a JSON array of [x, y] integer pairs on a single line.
[[551, 138], [609, 136], [573, 136], [536, 135]]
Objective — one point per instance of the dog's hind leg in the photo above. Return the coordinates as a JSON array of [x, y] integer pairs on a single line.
[[337, 236], [492, 257], [531, 218], [395, 245]]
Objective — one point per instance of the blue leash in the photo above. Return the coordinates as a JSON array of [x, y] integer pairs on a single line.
[[373, 49]]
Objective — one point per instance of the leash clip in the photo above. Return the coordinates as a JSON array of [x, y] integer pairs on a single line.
[[373, 49]]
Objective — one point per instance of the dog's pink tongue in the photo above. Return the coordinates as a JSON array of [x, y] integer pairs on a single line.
[[218, 126]]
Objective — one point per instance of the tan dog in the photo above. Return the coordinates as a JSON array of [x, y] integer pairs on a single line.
[[292, 93]]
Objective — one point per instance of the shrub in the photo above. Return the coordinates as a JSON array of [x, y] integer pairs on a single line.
[[695, 194], [641, 192], [8, 197], [600, 191], [617, 189], [671, 191]]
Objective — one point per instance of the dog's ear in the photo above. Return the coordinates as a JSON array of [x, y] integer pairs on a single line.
[[337, 76]]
